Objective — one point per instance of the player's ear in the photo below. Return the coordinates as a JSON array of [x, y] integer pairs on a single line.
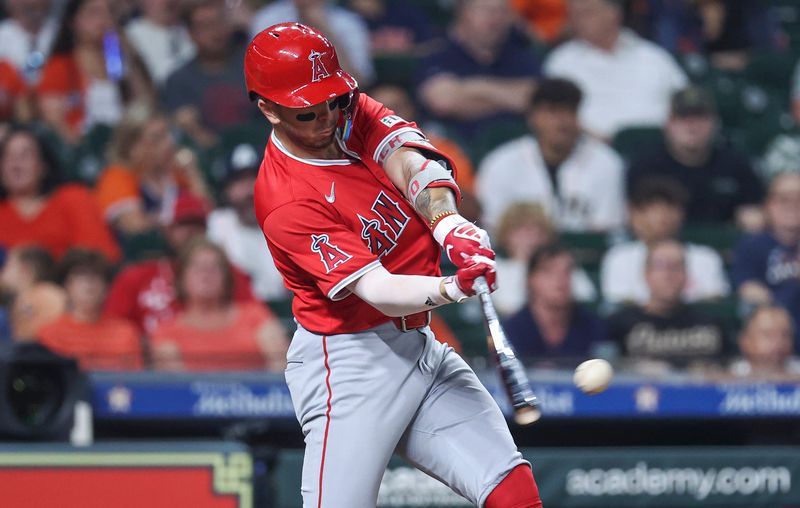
[[268, 110]]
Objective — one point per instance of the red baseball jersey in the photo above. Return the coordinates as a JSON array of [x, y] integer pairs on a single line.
[[328, 222]]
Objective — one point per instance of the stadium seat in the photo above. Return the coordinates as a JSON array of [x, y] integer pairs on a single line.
[[148, 245], [63, 152], [758, 133], [89, 158], [727, 90], [283, 310], [399, 69], [771, 69], [628, 142], [752, 111], [720, 237], [494, 137], [439, 13], [726, 311], [466, 322], [588, 248], [695, 65]]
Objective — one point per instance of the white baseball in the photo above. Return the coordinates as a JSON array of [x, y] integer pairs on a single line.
[[593, 376]]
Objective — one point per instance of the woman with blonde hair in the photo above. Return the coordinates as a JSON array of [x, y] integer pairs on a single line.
[[212, 331], [522, 229]]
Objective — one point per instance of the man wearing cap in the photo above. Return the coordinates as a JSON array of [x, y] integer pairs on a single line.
[[721, 183], [235, 229]]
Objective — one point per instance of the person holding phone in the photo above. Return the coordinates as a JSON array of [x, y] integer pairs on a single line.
[[91, 74]]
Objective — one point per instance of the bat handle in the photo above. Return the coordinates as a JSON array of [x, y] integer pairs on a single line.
[[481, 286], [482, 290]]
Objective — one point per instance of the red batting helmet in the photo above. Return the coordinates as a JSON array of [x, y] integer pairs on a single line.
[[295, 66]]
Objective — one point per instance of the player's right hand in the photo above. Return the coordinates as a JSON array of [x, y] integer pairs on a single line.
[[461, 240], [462, 285]]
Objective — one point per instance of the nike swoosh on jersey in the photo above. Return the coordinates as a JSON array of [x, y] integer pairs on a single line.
[[330, 198]]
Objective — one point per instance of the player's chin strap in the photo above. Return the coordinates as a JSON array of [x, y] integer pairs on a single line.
[[431, 174], [347, 115]]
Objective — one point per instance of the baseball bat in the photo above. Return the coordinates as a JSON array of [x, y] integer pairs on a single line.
[[515, 381]]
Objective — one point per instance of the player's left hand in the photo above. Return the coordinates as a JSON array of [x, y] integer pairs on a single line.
[[462, 285], [461, 240]]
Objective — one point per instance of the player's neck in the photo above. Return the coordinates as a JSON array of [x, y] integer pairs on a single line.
[[329, 152]]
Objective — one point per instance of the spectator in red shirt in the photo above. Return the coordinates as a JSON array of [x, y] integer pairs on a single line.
[[34, 209], [212, 331], [144, 292], [97, 342]]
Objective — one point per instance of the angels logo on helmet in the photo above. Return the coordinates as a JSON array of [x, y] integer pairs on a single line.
[[318, 70]]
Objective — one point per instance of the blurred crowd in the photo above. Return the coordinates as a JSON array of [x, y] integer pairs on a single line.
[[637, 163]]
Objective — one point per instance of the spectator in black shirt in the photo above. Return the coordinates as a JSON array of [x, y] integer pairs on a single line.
[[665, 329], [482, 77], [721, 183]]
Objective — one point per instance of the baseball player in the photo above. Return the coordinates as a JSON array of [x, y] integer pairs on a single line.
[[355, 205]]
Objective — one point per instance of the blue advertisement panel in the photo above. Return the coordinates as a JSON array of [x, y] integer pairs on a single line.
[[176, 396]]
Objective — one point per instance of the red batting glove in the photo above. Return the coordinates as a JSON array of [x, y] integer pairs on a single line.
[[461, 240], [462, 284]]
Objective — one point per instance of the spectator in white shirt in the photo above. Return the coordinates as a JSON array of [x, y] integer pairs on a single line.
[[26, 36], [628, 81], [657, 208], [344, 28], [160, 38], [236, 230], [577, 179]]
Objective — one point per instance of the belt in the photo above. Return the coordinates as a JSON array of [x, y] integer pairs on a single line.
[[413, 321]]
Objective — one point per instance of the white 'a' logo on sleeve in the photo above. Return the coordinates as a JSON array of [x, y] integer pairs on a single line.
[[330, 255], [318, 70]]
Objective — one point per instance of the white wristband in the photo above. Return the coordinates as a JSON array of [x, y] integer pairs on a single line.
[[446, 225], [453, 291]]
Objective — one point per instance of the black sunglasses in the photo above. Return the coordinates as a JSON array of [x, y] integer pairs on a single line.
[[341, 102]]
